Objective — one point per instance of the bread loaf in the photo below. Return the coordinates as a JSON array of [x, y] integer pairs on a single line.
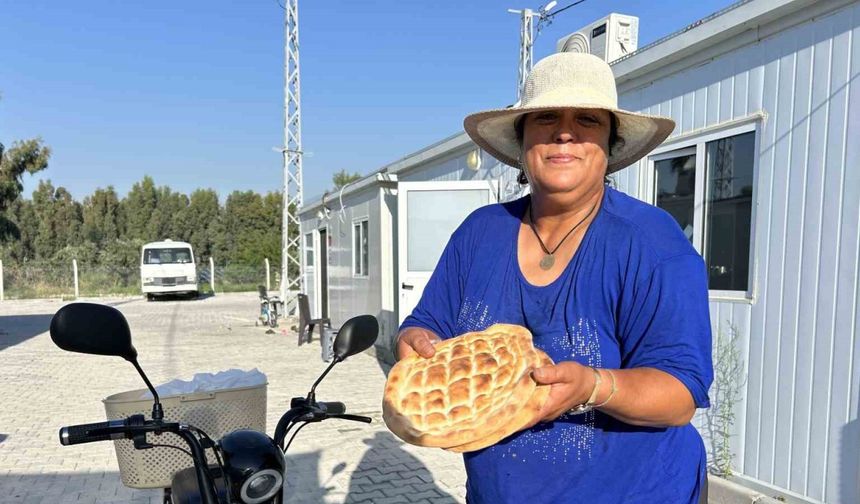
[[476, 390]]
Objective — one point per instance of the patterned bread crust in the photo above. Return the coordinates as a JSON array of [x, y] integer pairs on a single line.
[[524, 416], [471, 387]]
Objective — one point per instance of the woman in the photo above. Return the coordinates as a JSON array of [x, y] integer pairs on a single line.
[[609, 287]]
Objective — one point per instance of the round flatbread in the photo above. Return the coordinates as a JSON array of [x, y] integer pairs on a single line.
[[477, 387]]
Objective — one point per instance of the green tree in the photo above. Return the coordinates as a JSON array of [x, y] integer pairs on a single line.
[[244, 222], [343, 178], [137, 208], [59, 220], [252, 223], [28, 156], [23, 216], [168, 218], [122, 254], [202, 221], [101, 217]]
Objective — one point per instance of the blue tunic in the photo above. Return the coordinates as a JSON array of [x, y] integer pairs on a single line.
[[634, 295]]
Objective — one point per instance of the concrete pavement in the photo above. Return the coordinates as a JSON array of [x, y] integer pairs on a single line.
[[44, 388]]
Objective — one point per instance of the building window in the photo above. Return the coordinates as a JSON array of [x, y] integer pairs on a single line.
[[359, 248], [309, 250], [675, 188], [728, 211], [707, 186]]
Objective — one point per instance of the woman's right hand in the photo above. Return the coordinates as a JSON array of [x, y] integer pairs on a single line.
[[416, 340]]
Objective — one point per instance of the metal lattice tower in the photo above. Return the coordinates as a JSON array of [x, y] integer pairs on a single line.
[[292, 277], [527, 38], [526, 49]]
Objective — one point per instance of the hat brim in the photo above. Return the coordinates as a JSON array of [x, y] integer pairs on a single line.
[[494, 131]]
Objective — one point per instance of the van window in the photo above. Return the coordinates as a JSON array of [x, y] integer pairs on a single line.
[[167, 256]]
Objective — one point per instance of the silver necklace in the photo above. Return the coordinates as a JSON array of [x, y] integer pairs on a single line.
[[548, 260]]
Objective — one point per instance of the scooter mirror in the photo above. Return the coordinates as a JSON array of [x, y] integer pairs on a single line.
[[355, 336], [92, 329]]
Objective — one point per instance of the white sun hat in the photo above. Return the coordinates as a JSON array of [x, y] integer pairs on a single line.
[[563, 81]]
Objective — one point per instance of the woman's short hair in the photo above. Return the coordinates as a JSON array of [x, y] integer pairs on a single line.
[[614, 140]]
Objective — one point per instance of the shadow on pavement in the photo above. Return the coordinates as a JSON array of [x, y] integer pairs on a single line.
[[387, 470], [180, 297], [71, 487], [302, 484], [16, 329]]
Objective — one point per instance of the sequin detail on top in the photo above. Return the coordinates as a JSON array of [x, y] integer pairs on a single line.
[[571, 436], [473, 316]]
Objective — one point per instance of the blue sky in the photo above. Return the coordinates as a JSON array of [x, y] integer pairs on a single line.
[[191, 92]]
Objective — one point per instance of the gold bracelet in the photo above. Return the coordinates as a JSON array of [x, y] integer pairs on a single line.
[[589, 404], [611, 392]]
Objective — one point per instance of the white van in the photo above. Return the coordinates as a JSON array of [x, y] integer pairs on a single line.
[[168, 267]]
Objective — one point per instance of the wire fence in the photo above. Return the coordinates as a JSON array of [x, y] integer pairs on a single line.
[[34, 280]]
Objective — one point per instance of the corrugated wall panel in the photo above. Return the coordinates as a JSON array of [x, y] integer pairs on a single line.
[[811, 249], [771, 271], [826, 305], [844, 267], [349, 295], [741, 323], [795, 353], [784, 357], [850, 458]]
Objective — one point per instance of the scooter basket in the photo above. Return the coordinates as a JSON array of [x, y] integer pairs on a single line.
[[216, 413]]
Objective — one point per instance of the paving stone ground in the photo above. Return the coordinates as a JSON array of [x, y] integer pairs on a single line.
[[44, 388]]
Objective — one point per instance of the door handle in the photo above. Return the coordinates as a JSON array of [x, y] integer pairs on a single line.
[[406, 286]]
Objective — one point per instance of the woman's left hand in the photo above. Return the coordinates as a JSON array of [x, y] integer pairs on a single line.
[[570, 383], [644, 396]]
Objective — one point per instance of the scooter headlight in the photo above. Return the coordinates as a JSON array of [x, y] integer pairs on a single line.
[[254, 466], [261, 486]]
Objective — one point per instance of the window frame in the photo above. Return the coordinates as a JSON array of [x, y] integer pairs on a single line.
[[311, 250], [359, 255], [696, 142]]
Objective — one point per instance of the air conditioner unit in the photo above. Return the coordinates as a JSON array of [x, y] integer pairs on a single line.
[[609, 38]]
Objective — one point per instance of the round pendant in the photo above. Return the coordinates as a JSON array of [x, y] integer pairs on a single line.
[[547, 262]]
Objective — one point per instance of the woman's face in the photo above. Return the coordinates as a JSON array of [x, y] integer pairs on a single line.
[[566, 150]]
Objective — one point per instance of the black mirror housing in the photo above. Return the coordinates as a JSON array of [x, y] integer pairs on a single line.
[[355, 336], [92, 329]]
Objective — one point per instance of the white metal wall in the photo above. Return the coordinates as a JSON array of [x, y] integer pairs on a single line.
[[797, 427], [453, 167], [349, 295]]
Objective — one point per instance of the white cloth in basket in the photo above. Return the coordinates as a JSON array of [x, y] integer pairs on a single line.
[[209, 382]]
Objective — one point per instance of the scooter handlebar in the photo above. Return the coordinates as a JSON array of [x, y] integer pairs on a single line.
[[333, 407], [354, 418], [90, 433]]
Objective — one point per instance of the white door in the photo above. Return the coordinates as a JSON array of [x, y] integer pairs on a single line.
[[427, 215]]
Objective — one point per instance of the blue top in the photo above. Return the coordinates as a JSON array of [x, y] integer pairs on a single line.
[[634, 295]]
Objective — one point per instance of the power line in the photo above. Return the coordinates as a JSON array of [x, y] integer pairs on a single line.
[[563, 9]]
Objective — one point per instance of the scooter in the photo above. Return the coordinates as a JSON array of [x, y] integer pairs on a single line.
[[250, 466]]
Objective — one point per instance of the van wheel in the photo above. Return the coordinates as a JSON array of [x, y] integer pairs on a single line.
[[149, 297]]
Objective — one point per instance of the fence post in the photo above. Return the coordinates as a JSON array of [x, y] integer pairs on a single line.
[[1, 279], [212, 274], [268, 277], [75, 270]]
